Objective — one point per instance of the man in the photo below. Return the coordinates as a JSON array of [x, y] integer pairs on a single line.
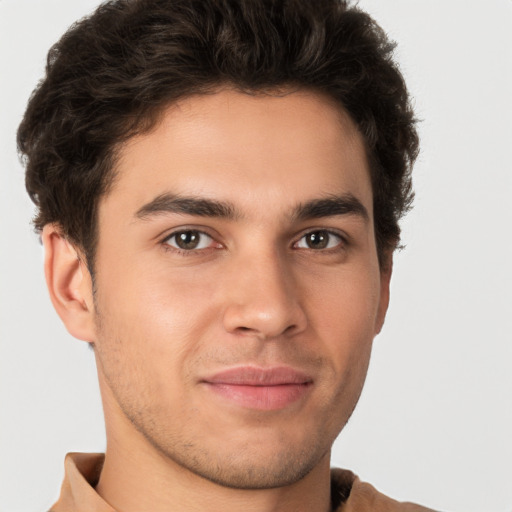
[[219, 185]]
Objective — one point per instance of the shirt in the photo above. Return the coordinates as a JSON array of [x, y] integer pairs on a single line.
[[348, 493]]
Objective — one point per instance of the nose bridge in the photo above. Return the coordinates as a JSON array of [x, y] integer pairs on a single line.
[[263, 296]]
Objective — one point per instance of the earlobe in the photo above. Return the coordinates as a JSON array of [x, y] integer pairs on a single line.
[[385, 279], [69, 284]]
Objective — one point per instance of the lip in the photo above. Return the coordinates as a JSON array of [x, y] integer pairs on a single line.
[[267, 389]]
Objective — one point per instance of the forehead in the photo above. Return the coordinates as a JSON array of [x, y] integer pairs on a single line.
[[279, 149]]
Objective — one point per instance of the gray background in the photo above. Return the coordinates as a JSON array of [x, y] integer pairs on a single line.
[[434, 423]]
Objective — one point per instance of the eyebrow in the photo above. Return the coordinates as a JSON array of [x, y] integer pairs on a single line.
[[196, 206], [331, 206]]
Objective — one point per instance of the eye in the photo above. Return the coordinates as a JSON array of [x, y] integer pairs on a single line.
[[319, 239], [189, 240]]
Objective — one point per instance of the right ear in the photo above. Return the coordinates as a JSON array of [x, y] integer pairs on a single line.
[[69, 283]]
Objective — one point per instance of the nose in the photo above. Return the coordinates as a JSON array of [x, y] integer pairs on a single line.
[[263, 299]]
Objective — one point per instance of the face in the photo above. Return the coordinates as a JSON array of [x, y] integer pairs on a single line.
[[238, 289]]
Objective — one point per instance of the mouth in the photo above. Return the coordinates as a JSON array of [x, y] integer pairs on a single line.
[[266, 389]]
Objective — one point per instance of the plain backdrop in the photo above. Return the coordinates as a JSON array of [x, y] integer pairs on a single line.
[[434, 424]]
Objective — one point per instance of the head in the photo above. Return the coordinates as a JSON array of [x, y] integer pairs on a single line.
[[173, 147]]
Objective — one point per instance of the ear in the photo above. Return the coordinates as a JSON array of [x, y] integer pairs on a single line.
[[69, 283], [385, 278]]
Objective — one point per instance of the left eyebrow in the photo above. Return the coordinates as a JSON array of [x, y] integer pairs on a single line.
[[331, 206]]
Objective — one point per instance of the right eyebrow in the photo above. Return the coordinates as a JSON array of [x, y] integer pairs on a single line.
[[172, 203]]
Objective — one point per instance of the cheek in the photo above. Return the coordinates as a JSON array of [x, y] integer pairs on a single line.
[[156, 313], [342, 311], [151, 324]]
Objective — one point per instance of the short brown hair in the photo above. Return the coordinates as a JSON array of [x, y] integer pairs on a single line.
[[112, 73]]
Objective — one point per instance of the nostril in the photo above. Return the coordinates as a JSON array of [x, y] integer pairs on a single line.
[[265, 333], [290, 329]]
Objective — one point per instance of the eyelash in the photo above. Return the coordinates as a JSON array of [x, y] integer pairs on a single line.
[[185, 252], [190, 252], [342, 242]]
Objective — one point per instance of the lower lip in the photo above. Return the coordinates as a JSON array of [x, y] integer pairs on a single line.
[[265, 398]]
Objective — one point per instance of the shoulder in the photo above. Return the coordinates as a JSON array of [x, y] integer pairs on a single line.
[[350, 494]]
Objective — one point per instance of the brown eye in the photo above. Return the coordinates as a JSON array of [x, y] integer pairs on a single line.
[[320, 239], [189, 240]]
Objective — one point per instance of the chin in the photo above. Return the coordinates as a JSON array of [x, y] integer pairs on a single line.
[[253, 475], [251, 464]]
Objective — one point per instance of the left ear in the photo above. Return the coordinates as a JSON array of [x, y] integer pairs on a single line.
[[385, 278]]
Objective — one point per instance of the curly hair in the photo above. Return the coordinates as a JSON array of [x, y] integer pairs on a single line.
[[112, 74]]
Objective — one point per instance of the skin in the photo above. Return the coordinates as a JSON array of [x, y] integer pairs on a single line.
[[255, 292]]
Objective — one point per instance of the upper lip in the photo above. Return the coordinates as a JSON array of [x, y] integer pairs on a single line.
[[258, 376]]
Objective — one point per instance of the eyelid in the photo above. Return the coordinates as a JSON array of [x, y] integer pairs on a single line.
[[344, 241], [204, 230], [163, 240], [164, 235]]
